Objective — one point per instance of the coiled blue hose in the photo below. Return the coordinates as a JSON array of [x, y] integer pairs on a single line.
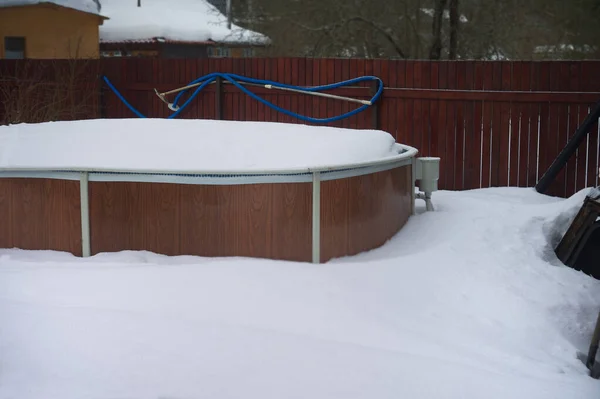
[[234, 79]]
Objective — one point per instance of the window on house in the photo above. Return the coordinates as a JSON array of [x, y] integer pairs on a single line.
[[218, 52], [14, 48]]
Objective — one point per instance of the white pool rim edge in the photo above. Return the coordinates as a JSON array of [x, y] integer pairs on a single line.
[[403, 154]]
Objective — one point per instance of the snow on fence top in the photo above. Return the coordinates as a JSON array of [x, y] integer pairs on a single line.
[[89, 6], [182, 20], [168, 145]]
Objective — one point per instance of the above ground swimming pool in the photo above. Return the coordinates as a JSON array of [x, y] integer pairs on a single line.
[[199, 187]]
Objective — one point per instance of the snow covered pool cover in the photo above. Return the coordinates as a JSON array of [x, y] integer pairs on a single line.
[[187, 145]]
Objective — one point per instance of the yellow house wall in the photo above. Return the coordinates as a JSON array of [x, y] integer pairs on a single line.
[[51, 31]]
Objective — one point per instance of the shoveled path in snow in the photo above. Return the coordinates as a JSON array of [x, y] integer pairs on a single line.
[[465, 302]]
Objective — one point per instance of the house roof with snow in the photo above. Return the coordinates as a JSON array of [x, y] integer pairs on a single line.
[[183, 21], [87, 6]]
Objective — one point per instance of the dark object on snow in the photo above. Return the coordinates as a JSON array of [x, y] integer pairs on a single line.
[[562, 158], [580, 246], [591, 357]]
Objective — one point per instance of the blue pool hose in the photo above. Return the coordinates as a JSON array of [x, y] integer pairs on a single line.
[[235, 79]]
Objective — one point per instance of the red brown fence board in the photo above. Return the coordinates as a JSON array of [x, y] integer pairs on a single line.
[[493, 123]]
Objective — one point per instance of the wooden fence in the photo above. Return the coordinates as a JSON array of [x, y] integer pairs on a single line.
[[492, 123]]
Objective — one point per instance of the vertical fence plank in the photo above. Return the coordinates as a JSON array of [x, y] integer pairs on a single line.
[[534, 129], [524, 73], [504, 134], [379, 110], [432, 117], [477, 146], [496, 130], [488, 73], [553, 136], [230, 111], [249, 102], [572, 124], [291, 78], [316, 73], [301, 104], [461, 127], [442, 126], [409, 106], [419, 131], [326, 77], [514, 127], [390, 124], [424, 115], [402, 131], [581, 155], [383, 72], [451, 129], [470, 148], [293, 100], [547, 136], [562, 120]]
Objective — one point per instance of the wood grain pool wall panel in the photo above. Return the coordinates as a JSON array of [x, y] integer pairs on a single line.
[[254, 220], [40, 214], [363, 212]]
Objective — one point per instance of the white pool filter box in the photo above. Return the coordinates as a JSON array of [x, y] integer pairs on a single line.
[[427, 174]]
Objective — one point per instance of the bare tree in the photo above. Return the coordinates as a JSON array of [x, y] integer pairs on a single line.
[[454, 24], [435, 29], [438, 17]]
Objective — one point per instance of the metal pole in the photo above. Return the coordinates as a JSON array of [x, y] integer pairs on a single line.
[[591, 358], [319, 94], [414, 183], [85, 214], [561, 160], [316, 218], [228, 14], [270, 87]]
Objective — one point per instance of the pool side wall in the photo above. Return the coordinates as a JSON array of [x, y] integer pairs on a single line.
[[40, 214], [254, 220], [363, 212], [271, 220]]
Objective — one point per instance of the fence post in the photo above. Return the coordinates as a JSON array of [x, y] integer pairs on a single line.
[[375, 108], [219, 98], [102, 100]]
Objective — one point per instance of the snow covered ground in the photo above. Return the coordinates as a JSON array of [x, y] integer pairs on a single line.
[[465, 302]]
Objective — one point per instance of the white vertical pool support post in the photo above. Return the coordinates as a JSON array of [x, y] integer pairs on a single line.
[[316, 218], [414, 184], [85, 214]]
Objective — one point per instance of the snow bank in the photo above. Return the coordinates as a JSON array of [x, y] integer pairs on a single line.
[[180, 20], [88, 6], [460, 304], [186, 145]]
